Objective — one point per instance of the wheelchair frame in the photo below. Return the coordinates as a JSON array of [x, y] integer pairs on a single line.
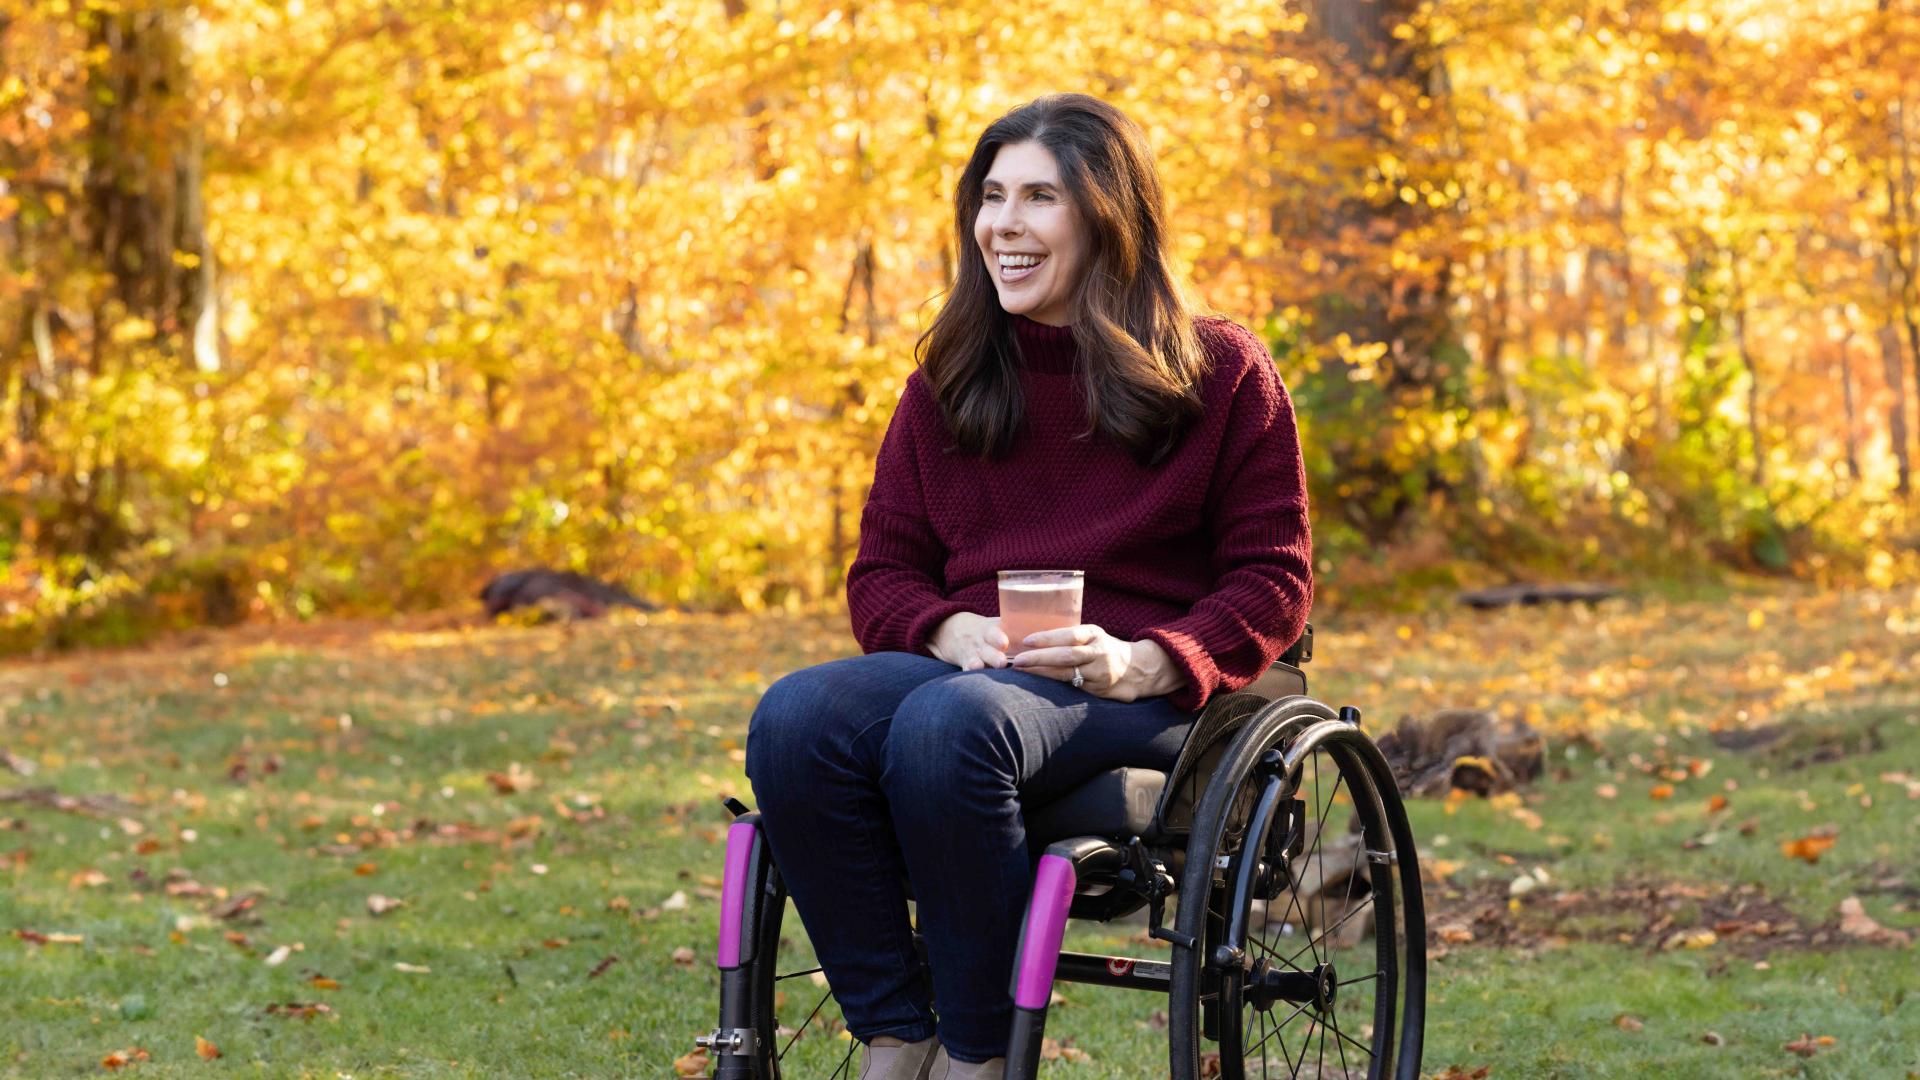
[[1243, 759]]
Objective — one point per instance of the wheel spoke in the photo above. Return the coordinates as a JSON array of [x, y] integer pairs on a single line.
[[1368, 902], [1344, 1069], [1359, 978], [781, 1056], [1363, 1049], [846, 1063]]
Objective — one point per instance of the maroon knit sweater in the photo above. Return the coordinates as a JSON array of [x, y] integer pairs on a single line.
[[1207, 552]]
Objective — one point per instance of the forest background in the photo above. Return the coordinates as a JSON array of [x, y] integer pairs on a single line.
[[340, 307]]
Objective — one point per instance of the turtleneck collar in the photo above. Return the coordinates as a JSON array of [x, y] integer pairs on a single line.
[[1044, 348]]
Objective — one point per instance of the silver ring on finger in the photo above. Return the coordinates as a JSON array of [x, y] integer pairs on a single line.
[[1079, 680]]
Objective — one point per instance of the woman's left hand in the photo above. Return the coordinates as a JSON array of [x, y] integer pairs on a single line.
[[1113, 669]]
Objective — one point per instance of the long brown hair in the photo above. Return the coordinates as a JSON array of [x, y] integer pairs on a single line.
[[1133, 325]]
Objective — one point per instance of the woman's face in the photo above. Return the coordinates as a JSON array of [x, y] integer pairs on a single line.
[[1033, 241]]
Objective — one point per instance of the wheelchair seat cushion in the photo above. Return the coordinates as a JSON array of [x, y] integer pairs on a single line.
[[1118, 804]]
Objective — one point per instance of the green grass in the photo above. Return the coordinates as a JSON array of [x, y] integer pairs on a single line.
[[631, 734]]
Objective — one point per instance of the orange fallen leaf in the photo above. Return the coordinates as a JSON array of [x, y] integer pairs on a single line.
[[1716, 804], [692, 1064], [1808, 1045], [1661, 791], [1807, 847], [1628, 1022], [121, 1058], [205, 1048], [321, 982], [366, 869], [516, 779]]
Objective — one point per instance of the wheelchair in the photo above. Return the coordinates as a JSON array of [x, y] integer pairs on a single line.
[[1298, 935]]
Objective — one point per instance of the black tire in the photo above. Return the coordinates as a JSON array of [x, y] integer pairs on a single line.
[[1325, 1002]]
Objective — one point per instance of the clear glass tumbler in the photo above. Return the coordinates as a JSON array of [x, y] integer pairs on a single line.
[[1035, 600]]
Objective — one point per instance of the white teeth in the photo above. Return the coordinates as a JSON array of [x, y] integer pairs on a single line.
[[1016, 261]]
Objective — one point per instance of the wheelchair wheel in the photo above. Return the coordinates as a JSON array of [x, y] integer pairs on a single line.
[[785, 1002], [1301, 893]]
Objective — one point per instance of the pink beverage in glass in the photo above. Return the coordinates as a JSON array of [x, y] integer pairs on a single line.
[[1035, 600]]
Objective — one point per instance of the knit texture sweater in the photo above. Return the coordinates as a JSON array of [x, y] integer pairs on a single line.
[[1207, 552]]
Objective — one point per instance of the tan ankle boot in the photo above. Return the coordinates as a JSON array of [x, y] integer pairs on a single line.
[[888, 1058], [945, 1068]]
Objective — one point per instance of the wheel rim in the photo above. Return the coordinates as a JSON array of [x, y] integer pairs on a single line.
[[1380, 976], [788, 1003], [1314, 995]]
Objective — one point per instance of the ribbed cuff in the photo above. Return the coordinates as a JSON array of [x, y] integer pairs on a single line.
[[1190, 657], [921, 630]]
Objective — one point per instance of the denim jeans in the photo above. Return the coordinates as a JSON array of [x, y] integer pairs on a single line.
[[874, 769]]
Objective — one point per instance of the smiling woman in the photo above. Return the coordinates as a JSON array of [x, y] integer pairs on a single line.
[[1063, 202], [1182, 502], [1033, 242]]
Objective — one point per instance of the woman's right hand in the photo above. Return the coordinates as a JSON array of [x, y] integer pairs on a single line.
[[969, 642]]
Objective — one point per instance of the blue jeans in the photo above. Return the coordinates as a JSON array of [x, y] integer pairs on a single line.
[[874, 769]]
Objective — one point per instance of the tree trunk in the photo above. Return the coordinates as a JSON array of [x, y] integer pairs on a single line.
[[146, 218], [1753, 372], [1892, 364], [1846, 394]]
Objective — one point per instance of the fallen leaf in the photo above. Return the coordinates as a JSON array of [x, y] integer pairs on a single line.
[[205, 1048], [321, 982], [305, 1010], [122, 1058], [683, 956], [366, 869], [411, 969], [1455, 934], [89, 878], [1455, 1072], [601, 967], [1607, 791], [1690, 939], [676, 902], [1807, 847], [1628, 1022], [1808, 1045], [378, 905], [1716, 804], [1713, 1038], [516, 779], [1856, 923], [691, 1064], [279, 956], [1661, 791]]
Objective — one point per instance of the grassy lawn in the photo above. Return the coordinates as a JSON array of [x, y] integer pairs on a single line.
[[542, 804]]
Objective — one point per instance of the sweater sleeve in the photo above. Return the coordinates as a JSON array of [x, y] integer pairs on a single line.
[[895, 587], [1263, 552]]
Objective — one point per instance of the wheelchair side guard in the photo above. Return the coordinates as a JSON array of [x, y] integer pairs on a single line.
[[737, 889], [1037, 956]]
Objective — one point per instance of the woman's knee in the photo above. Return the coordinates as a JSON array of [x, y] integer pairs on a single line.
[[786, 719], [957, 730], [809, 712]]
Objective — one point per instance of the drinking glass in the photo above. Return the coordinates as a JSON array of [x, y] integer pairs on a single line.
[[1035, 600]]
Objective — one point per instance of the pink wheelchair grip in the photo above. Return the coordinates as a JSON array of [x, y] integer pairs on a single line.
[[733, 893], [1053, 884]]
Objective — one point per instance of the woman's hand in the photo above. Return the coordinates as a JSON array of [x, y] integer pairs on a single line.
[[1113, 669], [970, 642]]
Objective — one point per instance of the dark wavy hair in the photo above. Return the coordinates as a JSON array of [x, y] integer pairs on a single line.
[[1133, 324]]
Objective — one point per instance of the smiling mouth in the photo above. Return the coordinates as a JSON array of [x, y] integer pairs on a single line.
[[1013, 274]]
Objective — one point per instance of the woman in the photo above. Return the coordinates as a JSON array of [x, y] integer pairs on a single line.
[[1183, 500]]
